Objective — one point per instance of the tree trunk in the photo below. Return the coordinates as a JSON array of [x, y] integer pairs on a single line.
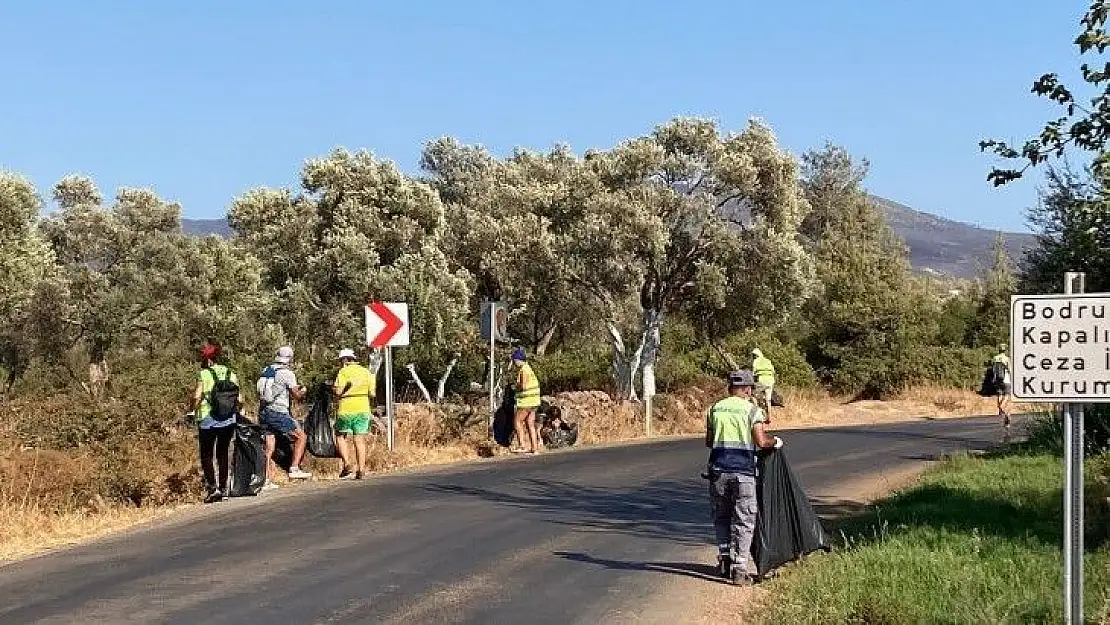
[[419, 383], [545, 340], [442, 387], [623, 367], [649, 350]]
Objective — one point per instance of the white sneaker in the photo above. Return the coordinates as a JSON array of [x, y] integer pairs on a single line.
[[297, 474], [269, 485]]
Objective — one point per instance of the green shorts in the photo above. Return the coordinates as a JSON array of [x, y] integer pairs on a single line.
[[353, 423]]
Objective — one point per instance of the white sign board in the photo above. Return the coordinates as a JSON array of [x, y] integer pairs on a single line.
[[1061, 348], [500, 321], [387, 324]]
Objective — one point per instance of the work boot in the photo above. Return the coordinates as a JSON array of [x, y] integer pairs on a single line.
[[724, 566], [740, 577]]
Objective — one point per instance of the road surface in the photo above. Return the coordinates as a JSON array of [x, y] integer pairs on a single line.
[[559, 538]]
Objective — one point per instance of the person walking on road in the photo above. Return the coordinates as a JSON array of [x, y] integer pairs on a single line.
[[764, 371], [527, 401], [355, 387], [1005, 383], [735, 430], [277, 388], [214, 408]]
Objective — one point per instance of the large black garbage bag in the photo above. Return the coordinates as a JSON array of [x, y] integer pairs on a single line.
[[283, 452], [248, 471], [554, 431], [786, 527], [317, 425], [994, 379], [503, 418]]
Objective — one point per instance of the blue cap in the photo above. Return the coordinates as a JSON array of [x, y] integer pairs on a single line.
[[518, 354]]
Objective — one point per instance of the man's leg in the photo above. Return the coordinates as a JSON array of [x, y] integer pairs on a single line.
[[300, 442], [270, 443], [743, 526], [721, 507], [342, 431], [223, 454], [207, 444], [533, 433], [519, 429], [360, 455]]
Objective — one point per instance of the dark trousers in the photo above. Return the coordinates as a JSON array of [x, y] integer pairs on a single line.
[[215, 444]]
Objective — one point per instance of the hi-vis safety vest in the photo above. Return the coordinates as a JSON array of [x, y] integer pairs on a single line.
[[730, 427], [528, 388]]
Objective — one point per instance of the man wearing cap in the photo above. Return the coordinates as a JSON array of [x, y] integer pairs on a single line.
[[354, 386], [734, 432], [277, 388], [764, 371], [527, 401]]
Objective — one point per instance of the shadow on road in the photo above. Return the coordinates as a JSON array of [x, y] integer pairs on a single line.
[[698, 571], [667, 510]]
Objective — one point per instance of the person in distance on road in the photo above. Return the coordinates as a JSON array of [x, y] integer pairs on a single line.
[[354, 386], [1002, 394], [527, 401], [215, 423], [764, 371], [277, 388], [735, 430]]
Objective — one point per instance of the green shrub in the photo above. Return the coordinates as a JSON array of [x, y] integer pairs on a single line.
[[573, 370]]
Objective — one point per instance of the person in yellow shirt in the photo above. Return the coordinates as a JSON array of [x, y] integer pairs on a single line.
[[527, 401], [354, 386]]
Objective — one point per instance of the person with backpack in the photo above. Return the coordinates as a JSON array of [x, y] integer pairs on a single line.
[[1000, 370], [277, 388], [214, 409], [354, 386]]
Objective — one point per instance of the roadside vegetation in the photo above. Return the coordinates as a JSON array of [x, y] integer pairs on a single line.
[[646, 269], [976, 540]]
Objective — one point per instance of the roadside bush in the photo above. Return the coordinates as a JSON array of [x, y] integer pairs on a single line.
[[576, 369]]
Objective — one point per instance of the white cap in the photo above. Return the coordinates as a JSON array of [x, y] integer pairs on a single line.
[[347, 353], [284, 355]]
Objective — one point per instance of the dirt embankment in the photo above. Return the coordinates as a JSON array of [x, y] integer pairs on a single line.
[[50, 497]]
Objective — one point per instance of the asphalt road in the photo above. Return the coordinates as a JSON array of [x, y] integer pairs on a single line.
[[558, 538]]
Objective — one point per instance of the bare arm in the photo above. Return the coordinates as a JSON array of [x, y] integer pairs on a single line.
[[198, 396], [762, 439], [709, 431]]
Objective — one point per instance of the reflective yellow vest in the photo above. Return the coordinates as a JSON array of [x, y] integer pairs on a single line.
[[527, 388]]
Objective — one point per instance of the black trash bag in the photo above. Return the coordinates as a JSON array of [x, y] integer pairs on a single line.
[[554, 431], [786, 527], [503, 418], [776, 398], [317, 425], [994, 380], [248, 470], [283, 452]]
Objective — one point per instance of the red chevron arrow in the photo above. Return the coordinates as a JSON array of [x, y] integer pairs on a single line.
[[392, 322]]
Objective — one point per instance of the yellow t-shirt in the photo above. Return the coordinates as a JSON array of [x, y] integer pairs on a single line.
[[357, 398]]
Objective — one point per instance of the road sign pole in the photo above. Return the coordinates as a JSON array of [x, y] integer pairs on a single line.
[[492, 360], [389, 396], [1073, 492]]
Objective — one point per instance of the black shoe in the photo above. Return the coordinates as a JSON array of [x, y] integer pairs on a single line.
[[358, 476], [740, 578], [724, 566], [213, 496]]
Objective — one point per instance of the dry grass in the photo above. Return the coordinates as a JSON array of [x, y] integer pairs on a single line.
[[49, 498]]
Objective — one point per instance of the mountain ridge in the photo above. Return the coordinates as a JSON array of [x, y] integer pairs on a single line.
[[937, 245]]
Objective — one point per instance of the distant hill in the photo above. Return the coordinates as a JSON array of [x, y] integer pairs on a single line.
[[937, 245], [946, 246]]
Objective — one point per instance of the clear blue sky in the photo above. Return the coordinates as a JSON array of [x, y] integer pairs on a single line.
[[202, 100]]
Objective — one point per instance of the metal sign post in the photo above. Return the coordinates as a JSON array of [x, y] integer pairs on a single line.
[[493, 325], [1073, 493], [387, 325], [1059, 356], [389, 396]]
